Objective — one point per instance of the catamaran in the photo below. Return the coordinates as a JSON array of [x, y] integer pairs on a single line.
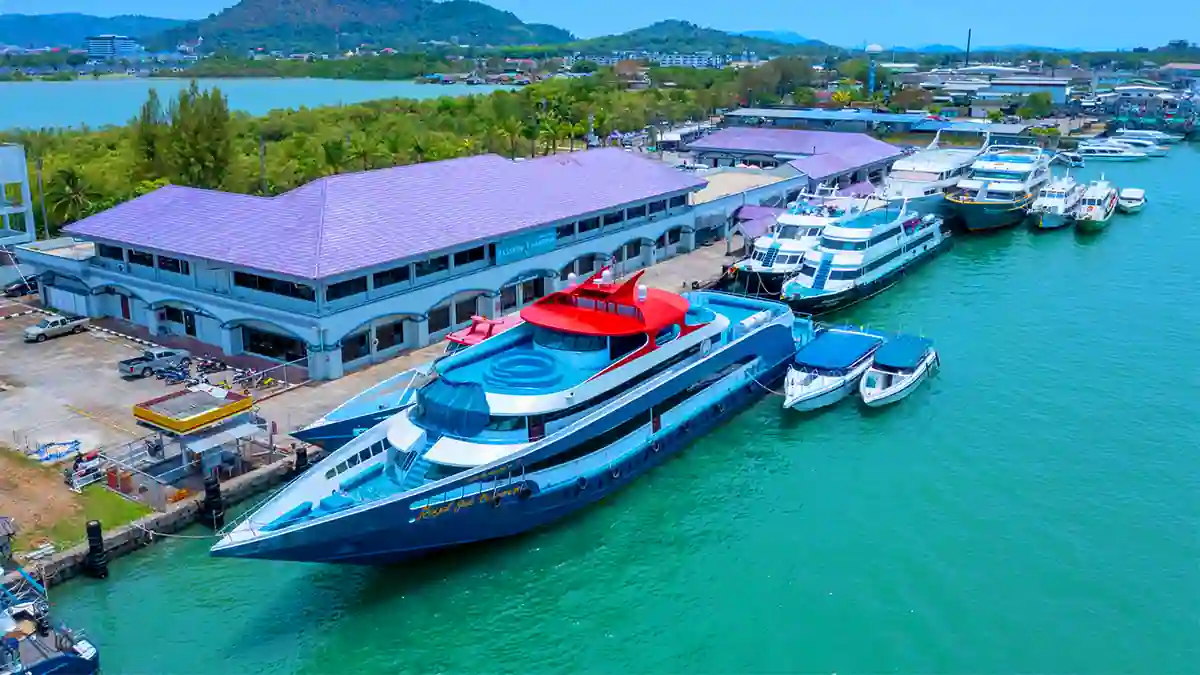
[[601, 382]]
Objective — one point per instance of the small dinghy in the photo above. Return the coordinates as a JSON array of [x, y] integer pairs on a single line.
[[899, 366], [826, 369], [1131, 200]]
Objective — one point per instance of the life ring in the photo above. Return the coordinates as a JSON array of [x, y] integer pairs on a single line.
[[615, 472]]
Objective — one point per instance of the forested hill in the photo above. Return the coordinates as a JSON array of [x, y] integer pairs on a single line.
[[70, 30], [314, 25], [685, 38]]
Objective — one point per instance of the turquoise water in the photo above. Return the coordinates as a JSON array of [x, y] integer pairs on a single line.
[[102, 102], [1033, 508]]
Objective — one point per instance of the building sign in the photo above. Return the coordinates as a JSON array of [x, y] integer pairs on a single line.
[[525, 246]]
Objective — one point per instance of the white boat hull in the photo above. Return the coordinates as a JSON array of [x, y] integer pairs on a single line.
[[826, 392], [904, 385], [1130, 207]]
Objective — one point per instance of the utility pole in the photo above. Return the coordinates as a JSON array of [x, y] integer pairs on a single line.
[[967, 62], [42, 196]]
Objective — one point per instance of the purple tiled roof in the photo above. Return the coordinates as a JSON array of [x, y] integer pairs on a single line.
[[857, 149], [357, 220], [754, 212]]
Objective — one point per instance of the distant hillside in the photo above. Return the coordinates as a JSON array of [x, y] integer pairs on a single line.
[[70, 30], [684, 37], [784, 36], [313, 25]]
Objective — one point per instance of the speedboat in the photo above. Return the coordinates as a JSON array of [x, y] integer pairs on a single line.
[[1097, 207], [1109, 152], [779, 253], [1056, 202], [1069, 159], [827, 369], [1000, 187], [860, 258], [1159, 137], [1150, 148], [601, 382], [30, 642], [372, 406], [898, 367], [921, 179], [1131, 200]]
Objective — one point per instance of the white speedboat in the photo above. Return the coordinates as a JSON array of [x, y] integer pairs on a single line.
[[828, 368], [1131, 200], [1097, 207], [1057, 202], [898, 367], [1147, 146], [1158, 137], [1109, 152]]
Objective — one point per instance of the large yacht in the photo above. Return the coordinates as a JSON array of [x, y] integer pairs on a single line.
[[858, 259], [601, 382], [1000, 187], [922, 178], [778, 254]]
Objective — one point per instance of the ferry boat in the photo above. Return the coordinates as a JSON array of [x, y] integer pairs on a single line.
[[897, 368], [602, 382], [1131, 200], [922, 178], [1098, 205], [858, 259], [779, 253], [1109, 152], [1000, 187], [30, 644], [1159, 137], [827, 369], [1056, 203], [374, 405]]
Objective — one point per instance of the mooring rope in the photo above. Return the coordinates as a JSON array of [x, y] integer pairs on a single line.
[[766, 388], [154, 534]]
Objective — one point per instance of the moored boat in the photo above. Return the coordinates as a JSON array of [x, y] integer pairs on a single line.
[[899, 366], [1131, 200], [1110, 152], [1097, 207], [374, 405], [1055, 204], [600, 383], [919, 181], [1001, 186], [827, 369], [30, 643], [1159, 137]]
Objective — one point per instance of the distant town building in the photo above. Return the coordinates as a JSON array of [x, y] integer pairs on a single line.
[[111, 47], [667, 60]]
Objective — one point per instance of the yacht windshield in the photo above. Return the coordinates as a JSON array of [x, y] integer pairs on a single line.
[[843, 245], [999, 175], [568, 342], [789, 231]]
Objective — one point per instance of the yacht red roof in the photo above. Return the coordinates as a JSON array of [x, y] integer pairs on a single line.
[[592, 307]]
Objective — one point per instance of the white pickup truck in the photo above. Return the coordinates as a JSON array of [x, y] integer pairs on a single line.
[[152, 360], [53, 326]]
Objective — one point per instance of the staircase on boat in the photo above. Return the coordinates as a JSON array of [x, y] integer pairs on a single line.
[[822, 274]]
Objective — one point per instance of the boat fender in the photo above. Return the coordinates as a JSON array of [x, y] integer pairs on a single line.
[[615, 472], [581, 483], [655, 446], [524, 492], [496, 501]]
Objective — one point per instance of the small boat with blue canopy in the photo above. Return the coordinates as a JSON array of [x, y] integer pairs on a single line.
[[827, 369], [30, 643], [898, 367]]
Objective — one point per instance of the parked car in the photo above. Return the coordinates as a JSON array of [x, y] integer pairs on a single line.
[[54, 326], [152, 360], [26, 286]]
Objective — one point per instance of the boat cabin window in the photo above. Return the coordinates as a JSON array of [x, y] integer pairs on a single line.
[[843, 245], [620, 345], [789, 231], [568, 342], [505, 423], [1000, 175], [437, 472], [666, 335]]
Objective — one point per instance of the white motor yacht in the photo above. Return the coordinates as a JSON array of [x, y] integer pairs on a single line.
[[1131, 200], [828, 368], [1147, 146], [1056, 203], [921, 179], [1159, 137], [1109, 152], [1099, 203]]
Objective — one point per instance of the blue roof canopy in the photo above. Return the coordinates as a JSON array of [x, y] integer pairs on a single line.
[[904, 352], [835, 351]]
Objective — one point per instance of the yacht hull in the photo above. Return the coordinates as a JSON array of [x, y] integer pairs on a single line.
[[1090, 225], [978, 217], [828, 397], [878, 399], [333, 435], [934, 204], [1051, 221], [393, 531], [817, 305], [754, 284]]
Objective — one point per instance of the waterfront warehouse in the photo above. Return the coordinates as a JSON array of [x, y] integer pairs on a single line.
[[351, 269]]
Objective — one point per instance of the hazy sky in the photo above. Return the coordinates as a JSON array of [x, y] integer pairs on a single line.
[[1060, 23]]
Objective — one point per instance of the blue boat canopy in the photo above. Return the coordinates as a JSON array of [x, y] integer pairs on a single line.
[[904, 352], [836, 351]]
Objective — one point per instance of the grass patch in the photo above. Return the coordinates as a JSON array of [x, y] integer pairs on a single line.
[[46, 509]]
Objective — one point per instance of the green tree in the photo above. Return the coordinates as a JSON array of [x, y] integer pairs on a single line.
[[200, 138], [70, 196], [149, 138], [995, 115], [334, 155], [584, 67]]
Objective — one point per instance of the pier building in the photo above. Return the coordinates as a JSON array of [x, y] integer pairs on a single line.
[[351, 269], [818, 119], [828, 157]]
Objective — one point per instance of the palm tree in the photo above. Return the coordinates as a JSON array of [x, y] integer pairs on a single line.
[[393, 147], [511, 128], [362, 152], [333, 155], [548, 130], [567, 130], [579, 130], [418, 150], [70, 195]]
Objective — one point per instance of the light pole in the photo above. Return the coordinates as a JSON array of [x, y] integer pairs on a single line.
[[42, 196]]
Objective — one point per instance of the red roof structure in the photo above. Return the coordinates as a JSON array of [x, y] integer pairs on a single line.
[[592, 307]]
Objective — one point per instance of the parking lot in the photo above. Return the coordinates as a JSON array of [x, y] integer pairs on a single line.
[[66, 388]]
